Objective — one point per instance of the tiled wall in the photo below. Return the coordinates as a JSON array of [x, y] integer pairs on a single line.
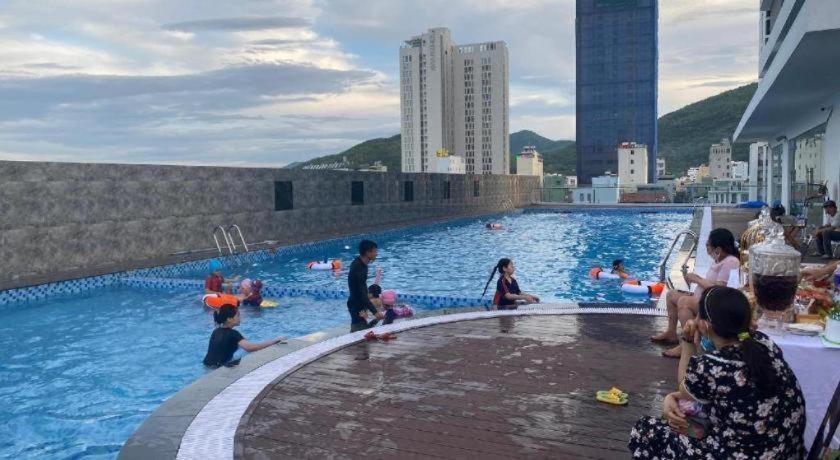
[[167, 276], [57, 218]]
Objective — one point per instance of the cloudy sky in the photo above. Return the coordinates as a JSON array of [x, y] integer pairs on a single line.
[[269, 82]]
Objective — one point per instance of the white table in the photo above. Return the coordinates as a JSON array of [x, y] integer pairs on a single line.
[[818, 370]]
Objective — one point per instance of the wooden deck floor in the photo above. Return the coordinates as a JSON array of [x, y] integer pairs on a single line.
[[510, 387]]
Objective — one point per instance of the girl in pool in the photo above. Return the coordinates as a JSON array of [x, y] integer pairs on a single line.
[[507, 289], [225, 339], [251, 292]]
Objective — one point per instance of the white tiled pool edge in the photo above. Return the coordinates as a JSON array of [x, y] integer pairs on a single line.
[[211, 433]]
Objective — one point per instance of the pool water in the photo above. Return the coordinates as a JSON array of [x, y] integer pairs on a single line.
[[79, 375], [552, 252]]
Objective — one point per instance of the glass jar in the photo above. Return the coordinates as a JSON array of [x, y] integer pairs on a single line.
[[756, 232], [774, 276]]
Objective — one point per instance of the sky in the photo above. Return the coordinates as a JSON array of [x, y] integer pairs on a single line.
[[270, 82]]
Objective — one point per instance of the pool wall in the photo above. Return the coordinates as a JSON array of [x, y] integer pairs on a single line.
[[65, 221]]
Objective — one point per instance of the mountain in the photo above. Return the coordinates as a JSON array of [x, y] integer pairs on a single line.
[[387, 150], [685, 136]]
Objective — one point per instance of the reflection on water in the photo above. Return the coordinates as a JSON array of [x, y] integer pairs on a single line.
[[507, 323]]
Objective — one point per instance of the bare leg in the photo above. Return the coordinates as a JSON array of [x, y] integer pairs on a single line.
[[670, 334], [686, 310]]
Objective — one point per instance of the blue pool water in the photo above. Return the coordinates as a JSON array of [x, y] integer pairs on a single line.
[[553, 253], [79, 375]]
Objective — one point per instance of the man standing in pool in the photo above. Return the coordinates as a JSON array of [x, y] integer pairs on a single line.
[[359, 303]]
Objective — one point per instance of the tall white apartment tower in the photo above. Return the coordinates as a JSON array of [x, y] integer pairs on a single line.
[[720, 160], [454, 97]]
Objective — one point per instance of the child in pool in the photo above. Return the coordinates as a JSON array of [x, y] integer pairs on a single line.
[[618, 268], [225, 340], [215, 280], [392, 309], [374, 291], [251, 292]]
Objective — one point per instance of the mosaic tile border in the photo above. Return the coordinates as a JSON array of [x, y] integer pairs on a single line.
[[211, 433]]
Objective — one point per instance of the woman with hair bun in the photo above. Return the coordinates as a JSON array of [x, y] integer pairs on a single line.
[[739, 399], [225, 340], [508, 294]]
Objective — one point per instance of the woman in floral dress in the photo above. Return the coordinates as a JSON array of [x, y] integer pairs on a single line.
[[751, 396]]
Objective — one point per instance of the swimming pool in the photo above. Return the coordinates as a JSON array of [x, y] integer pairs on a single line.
[[553, 253], [80, 374]]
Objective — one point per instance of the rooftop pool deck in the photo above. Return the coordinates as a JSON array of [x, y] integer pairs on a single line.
[[487, 384]]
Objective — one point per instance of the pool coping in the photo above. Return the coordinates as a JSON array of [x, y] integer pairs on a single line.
[[200, 421]]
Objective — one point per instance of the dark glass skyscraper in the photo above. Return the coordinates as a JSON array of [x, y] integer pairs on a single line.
[[617, 73]]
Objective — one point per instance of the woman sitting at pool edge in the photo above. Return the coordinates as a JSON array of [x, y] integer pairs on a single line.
[[507, 289], [682, 305], [225, 339]]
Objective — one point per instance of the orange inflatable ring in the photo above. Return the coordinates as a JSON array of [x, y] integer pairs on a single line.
[[219, 300], [653, 289], [598, 273]]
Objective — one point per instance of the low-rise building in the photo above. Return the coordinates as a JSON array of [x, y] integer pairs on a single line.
[[728, 191], [604, 190], [632, 164], [720, 160], [529, 162], [660, 168], [444, 163], [740, 170], [697, 173]]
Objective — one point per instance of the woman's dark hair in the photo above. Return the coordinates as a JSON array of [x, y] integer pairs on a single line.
[[617, 262], [500, 266], [224, 313], [365, 246], [723, 238], [730, 314], [375, 290]]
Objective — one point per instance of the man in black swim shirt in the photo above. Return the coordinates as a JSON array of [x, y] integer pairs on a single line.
[[357, 282]]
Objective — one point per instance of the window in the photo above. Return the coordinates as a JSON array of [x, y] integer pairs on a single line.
[[476, 188], [283, 195], [408, 190], [447, 190], [632, 171], [357, 192], [632, 161]]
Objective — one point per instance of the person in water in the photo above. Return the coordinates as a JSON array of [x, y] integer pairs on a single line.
[[618, 268], [507, 289], [250, 292], [359, 301], [225, 340], [215, 280]]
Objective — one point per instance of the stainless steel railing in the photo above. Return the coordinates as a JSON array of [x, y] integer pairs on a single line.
[[663, 278], [241, 238]]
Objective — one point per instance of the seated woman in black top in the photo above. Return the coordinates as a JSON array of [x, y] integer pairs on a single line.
[[507, 289], [225, 339]]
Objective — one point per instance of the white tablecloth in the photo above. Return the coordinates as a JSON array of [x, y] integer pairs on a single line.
[[818, 370]]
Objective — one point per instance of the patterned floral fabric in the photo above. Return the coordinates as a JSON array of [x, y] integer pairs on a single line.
[[745, 425]]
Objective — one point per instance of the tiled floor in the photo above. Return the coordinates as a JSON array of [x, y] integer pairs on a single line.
[[507, 387]]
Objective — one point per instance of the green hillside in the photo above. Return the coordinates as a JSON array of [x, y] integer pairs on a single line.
[[686, 134], [684, 138]]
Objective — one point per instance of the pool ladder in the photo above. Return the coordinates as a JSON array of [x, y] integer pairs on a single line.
[[228, 237], [663, 278]]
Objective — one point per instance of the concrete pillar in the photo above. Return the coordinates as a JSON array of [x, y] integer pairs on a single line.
[[768, 171], [786, 185]]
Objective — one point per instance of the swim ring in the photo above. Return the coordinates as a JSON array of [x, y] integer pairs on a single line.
[[218, 300], [332, 265], [599, 273], [651, 288]]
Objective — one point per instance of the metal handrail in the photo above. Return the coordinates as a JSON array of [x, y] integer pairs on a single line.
[[228, 242], [667, 279], [241, 238]]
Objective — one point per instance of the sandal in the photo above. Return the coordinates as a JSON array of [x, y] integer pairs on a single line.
[[613, 396]]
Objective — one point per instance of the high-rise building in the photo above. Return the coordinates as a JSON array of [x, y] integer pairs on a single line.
[[740, 170], [758, 170], [617, 73], [660, 168], [632, 164], [720, 160], [454, 97]]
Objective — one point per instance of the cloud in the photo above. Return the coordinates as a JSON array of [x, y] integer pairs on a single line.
[[237, 24]]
